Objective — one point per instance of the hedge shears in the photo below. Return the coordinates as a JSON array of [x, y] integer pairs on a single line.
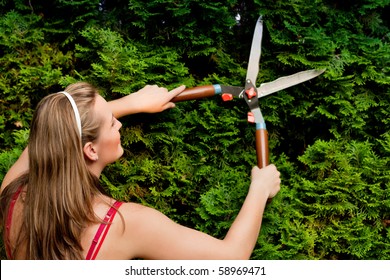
[[250, 93]]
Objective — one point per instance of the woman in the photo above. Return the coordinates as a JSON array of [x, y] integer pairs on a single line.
[[52, 206]]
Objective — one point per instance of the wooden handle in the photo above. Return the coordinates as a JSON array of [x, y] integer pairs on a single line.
[[195, 93], [262, 148]]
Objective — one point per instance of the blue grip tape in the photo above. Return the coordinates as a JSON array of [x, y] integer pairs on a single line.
[[261, 126], [217, 89]]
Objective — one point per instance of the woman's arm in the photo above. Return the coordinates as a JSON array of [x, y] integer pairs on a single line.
[[246, 227], [18, 168], [151, 235], [150, 99]]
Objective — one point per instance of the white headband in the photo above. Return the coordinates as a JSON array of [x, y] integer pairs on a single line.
[[75, 110]]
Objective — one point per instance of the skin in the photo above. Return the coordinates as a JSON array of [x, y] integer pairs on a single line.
[[145, 232]]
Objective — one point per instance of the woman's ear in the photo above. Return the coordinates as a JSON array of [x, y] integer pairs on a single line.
[[90, 151]]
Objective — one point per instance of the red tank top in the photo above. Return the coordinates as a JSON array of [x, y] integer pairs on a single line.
[[96, 242], [9, 221]]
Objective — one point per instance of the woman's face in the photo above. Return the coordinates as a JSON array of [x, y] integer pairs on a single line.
[[108, 144]]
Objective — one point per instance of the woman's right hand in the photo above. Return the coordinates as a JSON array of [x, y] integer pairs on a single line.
[[267, 178]]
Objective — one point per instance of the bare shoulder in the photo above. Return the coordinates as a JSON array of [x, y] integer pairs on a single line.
[[130, 208], [137, 216], [132, 226]]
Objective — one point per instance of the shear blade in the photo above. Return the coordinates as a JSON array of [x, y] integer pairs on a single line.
[[254, 57], [287, 81]]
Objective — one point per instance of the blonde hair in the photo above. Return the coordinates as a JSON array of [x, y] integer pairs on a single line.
[[58, 202]]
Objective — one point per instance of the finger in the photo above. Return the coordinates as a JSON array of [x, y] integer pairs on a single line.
[[150, 86], [177, 91], [169, 105]]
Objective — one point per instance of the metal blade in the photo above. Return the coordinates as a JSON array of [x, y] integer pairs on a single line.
[[254, 57], [287, 81]]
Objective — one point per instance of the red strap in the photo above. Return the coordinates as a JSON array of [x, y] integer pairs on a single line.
[[103, 228], [9, 222]]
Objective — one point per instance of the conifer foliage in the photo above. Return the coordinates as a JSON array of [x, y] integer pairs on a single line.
[[329, 137]]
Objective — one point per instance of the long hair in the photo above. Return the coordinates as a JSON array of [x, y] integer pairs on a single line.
[[59, 188]]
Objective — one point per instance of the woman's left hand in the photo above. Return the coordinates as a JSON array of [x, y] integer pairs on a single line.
[[150, 99], [154, 99]]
